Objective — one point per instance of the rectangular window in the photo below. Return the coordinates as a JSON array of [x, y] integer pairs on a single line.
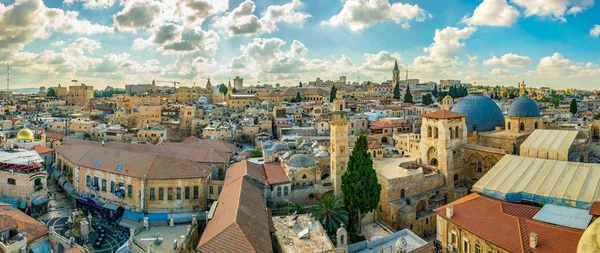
[[211, 189], [151, 193], [187, 192], [220, 188], [178, 193], [129, 191], [195, 192], [169, 193], [466, 248], [96, 181], [103, 185], [112, 186], [161, 193]]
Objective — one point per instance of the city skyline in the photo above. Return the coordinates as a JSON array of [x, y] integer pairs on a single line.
[[109, 42]]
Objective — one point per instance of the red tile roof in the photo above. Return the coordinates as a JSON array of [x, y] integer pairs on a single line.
[[30, 227], [241, 220], [595, 210], [276, 174], [508, 225], [443, 114], [374, 145], [55, 136], [42, 149]]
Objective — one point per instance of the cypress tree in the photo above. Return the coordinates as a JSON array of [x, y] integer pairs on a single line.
[[573, 106], [408, 96], [397, 91]]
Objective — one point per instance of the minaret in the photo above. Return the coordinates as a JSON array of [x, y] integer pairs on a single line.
[[395, 74], [340, 153], [229, 85]]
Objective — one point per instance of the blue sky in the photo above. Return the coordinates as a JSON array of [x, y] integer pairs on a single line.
[[116, 42]]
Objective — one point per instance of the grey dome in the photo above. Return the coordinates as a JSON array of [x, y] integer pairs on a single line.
[[523, 107], [482, 113], [322, 154], [301, 160]]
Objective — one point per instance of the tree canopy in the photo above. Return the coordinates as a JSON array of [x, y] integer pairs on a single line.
[[332, 94], [330, 213], [408, 98], [427, 99], [223, 88], [298, 97], [359, 183], [50, 93], [573, 106], [397, 91]]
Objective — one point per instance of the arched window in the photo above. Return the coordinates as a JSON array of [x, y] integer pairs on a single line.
[[402, 193], [455, 178], [429, 132], [285, 190], [508, 126], [304, 176], [12, 181], [479, 166], [522, 126], [456, 132], [535, 125], [435, 132], [278, 191], [451, 133], [341, 107]]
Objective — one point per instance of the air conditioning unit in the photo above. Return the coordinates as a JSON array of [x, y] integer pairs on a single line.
[[451, 248]]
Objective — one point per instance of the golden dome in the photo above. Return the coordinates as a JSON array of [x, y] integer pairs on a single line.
[[25, 135], [447, 97], [590, 240]]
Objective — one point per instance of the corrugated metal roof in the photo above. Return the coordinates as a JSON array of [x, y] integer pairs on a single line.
[[564, 216], [518, 178], [549, 144]]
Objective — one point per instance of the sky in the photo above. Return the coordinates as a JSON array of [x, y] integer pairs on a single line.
[[553, 43]]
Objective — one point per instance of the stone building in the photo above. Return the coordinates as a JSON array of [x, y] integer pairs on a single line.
[[80, 95], [340, 146]]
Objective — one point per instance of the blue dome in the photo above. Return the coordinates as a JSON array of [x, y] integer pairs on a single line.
[[523, 107], [301, 161], [482, 113]]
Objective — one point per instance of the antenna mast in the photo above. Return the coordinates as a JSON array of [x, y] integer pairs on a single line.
[[8, 77]]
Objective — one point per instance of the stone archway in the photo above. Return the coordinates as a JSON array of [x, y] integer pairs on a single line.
[[489, 162], [432, 156], [324, 176]]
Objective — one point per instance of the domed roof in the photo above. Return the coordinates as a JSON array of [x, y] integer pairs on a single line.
[[523, 107], [590, 240], [447, 97], [322, 154], [301, 160], [482, 113], [25, 135]]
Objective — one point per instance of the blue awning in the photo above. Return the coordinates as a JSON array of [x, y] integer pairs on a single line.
[[40, 200], [61, 181], [69, 189], [187, 217], [12, 201], [157, 217], [56, 174], [135, 216], [23, 204], [96, 203], [110, 206], [42, 247]]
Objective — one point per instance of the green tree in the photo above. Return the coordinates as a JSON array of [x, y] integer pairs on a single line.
[[597, 116], [223, 88], [333, 94], [331, 213], [295, 207], [256, 153], [555, 101], [359, 183], [573, 106], [434, 92], [397, 91], [427, 99], [298, 97], [50, 93], [300, 84], [408, 96], [234, 90]]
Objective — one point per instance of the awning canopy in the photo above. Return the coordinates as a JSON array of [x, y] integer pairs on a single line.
[[61, 181], [187, 217], [42, 247], [127, 223], [564, 216], [90, 202], [23, 158], [110, 206], [56, 174], [158, 217], [134, 216], [213, 207], [69, 189], [40, 200], [12, 201]]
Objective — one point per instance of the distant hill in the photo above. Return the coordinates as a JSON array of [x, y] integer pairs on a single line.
[[24, 90]]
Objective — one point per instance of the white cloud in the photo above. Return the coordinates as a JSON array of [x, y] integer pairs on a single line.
[[196, 11], [27, 20], [57, 43], [92, 4], [508, 60], [137, 14], [85, 43], [360, 14], [382, 61], [171, 38], [282, 13], [595, 31], [443, 52], [500, 72], [242, 21], [557, 9], [558, 66], [493, 13]]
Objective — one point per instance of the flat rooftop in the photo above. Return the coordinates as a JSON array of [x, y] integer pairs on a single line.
[[287, 231], [167, 234], [390, 167]]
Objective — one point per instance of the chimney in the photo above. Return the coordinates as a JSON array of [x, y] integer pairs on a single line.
[[449, 211], [533, 240]]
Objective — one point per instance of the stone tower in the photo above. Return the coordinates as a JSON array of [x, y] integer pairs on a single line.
[[447, 102], [395, 74], [339, 144], [443, 133]]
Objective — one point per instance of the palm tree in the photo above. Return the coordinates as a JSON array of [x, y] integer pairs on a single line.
[[331, 213]]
